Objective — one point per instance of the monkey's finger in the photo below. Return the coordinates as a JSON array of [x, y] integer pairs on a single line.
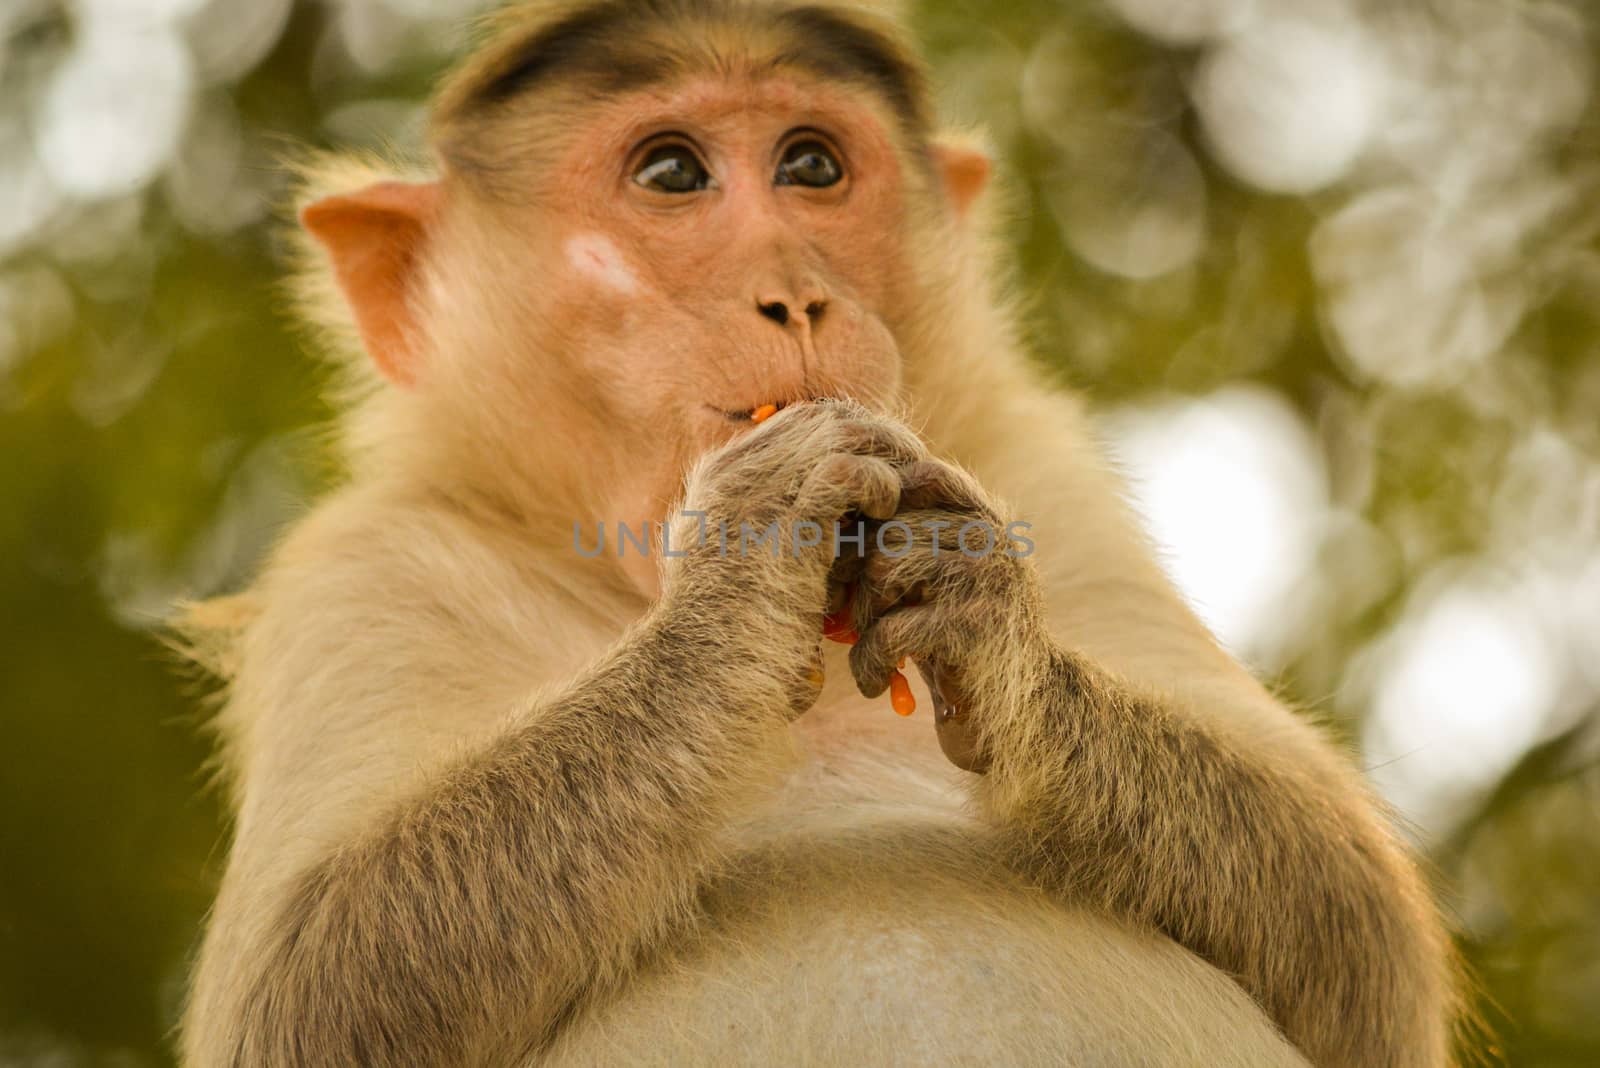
[[789, 429], [890, 579], [824, 415], [871, 595], [884, 439], [953, 717], [916, 631], [865, 605], [807, 686], [932, 484], [904, 569], [838, 597], [842, 580], [863, 430], [842, 483]]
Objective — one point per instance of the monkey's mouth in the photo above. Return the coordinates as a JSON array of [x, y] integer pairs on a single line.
[[758, 414]]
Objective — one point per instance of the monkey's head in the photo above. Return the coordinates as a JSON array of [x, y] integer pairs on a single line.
[[650, 217]]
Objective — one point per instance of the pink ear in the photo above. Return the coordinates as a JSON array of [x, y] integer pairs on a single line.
[[374, 237], [965, 172]]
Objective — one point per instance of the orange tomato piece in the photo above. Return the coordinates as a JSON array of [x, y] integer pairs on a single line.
[[838, 628], [901, 698]]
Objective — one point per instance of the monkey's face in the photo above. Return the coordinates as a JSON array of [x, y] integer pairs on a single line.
[[720, 244], [606, 282]]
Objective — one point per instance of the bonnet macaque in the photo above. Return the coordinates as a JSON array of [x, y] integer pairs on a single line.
[[502, 801]]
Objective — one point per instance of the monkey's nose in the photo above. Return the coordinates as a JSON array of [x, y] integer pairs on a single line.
[[778, 311]]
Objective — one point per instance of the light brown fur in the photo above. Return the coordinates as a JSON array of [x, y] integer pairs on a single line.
[[497, 803]]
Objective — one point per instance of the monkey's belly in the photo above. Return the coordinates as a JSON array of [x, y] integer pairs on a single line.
[[901, 944]]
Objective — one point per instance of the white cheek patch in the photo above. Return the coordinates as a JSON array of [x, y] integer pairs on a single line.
[[596, 257]]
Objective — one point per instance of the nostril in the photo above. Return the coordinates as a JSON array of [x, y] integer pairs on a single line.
[[777, 311], [814, 310]]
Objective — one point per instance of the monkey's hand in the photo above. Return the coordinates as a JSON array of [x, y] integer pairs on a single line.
[[1260, 852], [948, 584], [753, 546]]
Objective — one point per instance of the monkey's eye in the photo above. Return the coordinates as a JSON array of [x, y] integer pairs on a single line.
[[673, 169], [809, 163]]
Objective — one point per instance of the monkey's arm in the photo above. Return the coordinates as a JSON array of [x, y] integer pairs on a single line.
[[1211, 814], [1275, 866], [455, 917], [458, 927]]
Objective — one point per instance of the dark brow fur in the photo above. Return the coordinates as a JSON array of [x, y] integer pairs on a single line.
[[590, 43], [608, 46], [831, 45]]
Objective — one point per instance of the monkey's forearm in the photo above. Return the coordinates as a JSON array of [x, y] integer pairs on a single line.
[[1279, 875], [539, 868]]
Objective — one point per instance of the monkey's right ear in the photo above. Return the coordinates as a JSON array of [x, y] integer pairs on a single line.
[[374, 237]]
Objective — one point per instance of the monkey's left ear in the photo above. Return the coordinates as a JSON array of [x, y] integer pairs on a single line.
[[374, 238], [965, 171]]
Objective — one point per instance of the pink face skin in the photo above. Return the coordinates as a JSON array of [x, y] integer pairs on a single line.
[[636, 328], [668, 288]]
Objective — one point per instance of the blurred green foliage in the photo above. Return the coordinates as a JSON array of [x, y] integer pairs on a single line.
[[158, 415]]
